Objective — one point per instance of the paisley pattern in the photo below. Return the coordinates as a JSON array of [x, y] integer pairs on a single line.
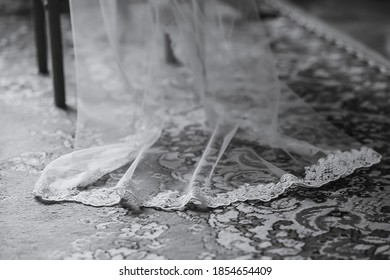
[[346, 219]]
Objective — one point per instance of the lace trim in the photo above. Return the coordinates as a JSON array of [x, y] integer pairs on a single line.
[[334, 166], [93, 197]]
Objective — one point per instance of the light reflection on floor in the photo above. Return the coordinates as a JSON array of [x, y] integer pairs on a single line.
[[365, 20]]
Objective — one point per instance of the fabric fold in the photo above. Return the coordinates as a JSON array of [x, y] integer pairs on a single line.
[[213, 128]]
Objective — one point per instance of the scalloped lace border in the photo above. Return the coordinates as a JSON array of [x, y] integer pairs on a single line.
[[332, 167]]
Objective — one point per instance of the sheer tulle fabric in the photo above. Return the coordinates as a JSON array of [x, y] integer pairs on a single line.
[[214, 126]]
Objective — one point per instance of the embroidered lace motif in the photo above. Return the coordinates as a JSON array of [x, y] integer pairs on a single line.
[[331, 168]]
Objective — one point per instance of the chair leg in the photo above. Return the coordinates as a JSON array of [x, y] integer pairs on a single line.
[[38, 13], [53, 8]]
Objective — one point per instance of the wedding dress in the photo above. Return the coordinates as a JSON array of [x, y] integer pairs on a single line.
[[213, 127]]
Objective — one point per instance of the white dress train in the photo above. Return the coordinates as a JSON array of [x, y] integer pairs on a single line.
[[216, 129]]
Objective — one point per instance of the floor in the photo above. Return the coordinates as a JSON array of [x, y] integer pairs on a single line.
[[348, 219]]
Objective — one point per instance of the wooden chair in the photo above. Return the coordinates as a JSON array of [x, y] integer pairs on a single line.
[[47, 13]]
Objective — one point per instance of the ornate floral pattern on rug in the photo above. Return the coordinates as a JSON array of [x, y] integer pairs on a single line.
[[346, 219]]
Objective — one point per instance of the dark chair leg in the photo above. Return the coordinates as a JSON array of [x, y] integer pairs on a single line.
[[53, 8], [38, 12]]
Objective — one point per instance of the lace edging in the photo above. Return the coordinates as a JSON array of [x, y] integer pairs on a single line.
[[332, 167]]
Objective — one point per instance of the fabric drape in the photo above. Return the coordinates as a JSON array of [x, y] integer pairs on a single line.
[[213, 128]]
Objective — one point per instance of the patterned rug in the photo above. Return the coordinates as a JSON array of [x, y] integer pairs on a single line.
[[347, 219]]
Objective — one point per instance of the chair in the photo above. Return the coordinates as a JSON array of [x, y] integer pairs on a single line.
[[53, 9]]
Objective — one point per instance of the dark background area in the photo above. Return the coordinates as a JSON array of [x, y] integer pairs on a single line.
[[367, 21]]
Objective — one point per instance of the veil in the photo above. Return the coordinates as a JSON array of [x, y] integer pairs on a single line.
[[179, 102]]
